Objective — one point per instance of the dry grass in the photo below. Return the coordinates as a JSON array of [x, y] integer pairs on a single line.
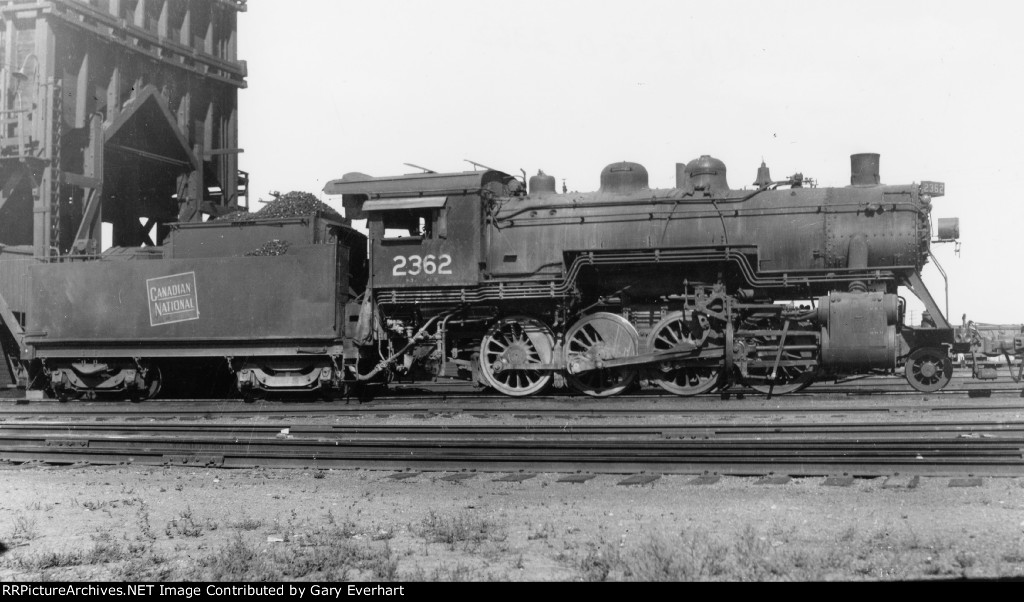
[[321, 555], [322, 532], [186, 525], [465, 529], [755, 555], [25, 528]]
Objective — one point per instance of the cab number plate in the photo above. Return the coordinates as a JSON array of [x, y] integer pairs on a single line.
[[414, 265]]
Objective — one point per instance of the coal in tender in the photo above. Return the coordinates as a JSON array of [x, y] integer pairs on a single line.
[[271, 248], [237, 216], [296, 204]]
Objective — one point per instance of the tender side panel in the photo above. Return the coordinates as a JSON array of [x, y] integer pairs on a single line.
[[186, 301], [216, 239]]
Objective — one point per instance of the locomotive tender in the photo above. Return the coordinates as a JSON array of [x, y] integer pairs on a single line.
[[200, 309], [473, 276]]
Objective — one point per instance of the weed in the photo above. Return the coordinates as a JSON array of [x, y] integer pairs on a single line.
[[1014, 556], [462, 528], [248, 524], [24, 529], [104, 552], [598, 562], [545, 531], [383, 534], [138, 549], [145, 528], [144, 567], [692, 555], [48, 560], [847, 535], [322, 555], [457, 573], [965, 559], [186, 526]]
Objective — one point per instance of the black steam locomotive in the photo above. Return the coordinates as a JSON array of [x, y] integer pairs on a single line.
[[473, 276]]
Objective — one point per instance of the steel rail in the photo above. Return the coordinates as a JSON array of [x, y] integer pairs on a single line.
[[519, 449], [958, 428], [860, 386], [425, 407]]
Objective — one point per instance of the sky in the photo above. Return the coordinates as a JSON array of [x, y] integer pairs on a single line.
[[569, 86]]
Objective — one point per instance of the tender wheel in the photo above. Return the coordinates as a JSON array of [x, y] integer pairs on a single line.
[[788, 379], [597, 337], [516, 340], [929, 369], [668, 334], [154, 382]]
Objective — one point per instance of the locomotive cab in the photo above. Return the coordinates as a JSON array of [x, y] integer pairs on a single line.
[[426, 230], [424, 241]]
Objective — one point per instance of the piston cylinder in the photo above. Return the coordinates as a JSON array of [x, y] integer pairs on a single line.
[[858, 331]]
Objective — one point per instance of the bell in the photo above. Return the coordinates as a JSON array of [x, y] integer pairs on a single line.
[[764, 179]]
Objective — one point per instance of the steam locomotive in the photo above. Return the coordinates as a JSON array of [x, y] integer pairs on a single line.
[[484, 277]]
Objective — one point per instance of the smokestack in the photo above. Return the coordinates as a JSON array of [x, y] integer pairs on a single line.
[[864, 169]]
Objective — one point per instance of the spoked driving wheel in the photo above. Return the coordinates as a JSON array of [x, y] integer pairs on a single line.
[[672, 332], [509, 345], [796, 370], [929, 369], [152, 384], [594, 339]]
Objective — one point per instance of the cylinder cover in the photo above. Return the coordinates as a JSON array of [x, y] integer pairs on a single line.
[[858, 331]]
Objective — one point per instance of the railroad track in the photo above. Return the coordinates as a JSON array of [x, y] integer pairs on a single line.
[[961, 386], [426, 407], [796, 449]]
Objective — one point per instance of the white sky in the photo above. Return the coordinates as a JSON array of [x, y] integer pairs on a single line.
[[569, 86]]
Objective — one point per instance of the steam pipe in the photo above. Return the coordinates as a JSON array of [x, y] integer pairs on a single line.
[[857, 258], [412, 342], [945, 279]]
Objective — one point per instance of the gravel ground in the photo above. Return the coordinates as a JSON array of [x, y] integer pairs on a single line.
[[139, 523], [168, 524]]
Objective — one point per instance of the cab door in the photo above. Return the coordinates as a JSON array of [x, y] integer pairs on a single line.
[[425, 241]]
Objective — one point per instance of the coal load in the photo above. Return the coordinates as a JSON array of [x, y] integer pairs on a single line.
[[271, 248], [293, 204], [296, 204], [237, 216]]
